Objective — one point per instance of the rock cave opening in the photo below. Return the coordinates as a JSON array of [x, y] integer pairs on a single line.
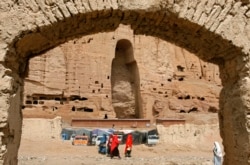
[[125, 82]]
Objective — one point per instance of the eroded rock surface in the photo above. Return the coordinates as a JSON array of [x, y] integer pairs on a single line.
[[123, 75]]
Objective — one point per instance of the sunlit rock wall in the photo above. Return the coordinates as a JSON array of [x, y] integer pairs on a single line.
[[78, 73]]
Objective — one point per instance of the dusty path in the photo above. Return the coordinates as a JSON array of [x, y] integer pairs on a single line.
[[58, 152]]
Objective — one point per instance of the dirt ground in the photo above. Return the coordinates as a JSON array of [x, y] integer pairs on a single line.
[[58, 152]]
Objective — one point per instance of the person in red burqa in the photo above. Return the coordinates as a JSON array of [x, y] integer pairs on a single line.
[[109, 144], [114, 151], [128, 145]]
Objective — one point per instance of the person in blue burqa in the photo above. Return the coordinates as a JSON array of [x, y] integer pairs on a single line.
[[217, 154], [102, 145]]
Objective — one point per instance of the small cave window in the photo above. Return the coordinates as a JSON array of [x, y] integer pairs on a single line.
[[180, 97], [201, 98], [54, 108], [154, 89], [57, 99], [187, 97], [88, 109], [162, 85], [169, 79], [193, 110], [107, 96], [93, 91], [35, 102], [180, 68], [181, 79], [192, 66], [28, 102], [182, 111], [166, 96], [101, 85], [107, 77], [96, 82], [160, 92]]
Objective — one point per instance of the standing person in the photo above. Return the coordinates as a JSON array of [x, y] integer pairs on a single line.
[[217, 154], [109, 144], [114, 151], [102, 145], [128, 145]]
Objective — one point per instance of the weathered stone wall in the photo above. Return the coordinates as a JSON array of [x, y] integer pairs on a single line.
[[42, 129], [189, 136], [215, 30]]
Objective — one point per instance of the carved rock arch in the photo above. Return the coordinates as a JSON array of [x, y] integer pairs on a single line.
[[216, 31]]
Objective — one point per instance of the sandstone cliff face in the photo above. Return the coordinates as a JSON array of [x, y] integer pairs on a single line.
[[122, 75]]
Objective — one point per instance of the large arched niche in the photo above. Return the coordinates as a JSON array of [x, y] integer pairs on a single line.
[[60, 22], [125, 81]]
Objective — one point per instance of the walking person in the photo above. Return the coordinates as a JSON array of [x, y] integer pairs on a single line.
[[128, 145], [114, 151], [217, 154]]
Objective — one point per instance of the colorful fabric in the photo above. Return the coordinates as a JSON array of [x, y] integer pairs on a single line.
[[129, 143], [115, 143], [114, 151]]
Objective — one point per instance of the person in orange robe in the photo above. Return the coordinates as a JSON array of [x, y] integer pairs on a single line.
[[114, 151], [128, 145]]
